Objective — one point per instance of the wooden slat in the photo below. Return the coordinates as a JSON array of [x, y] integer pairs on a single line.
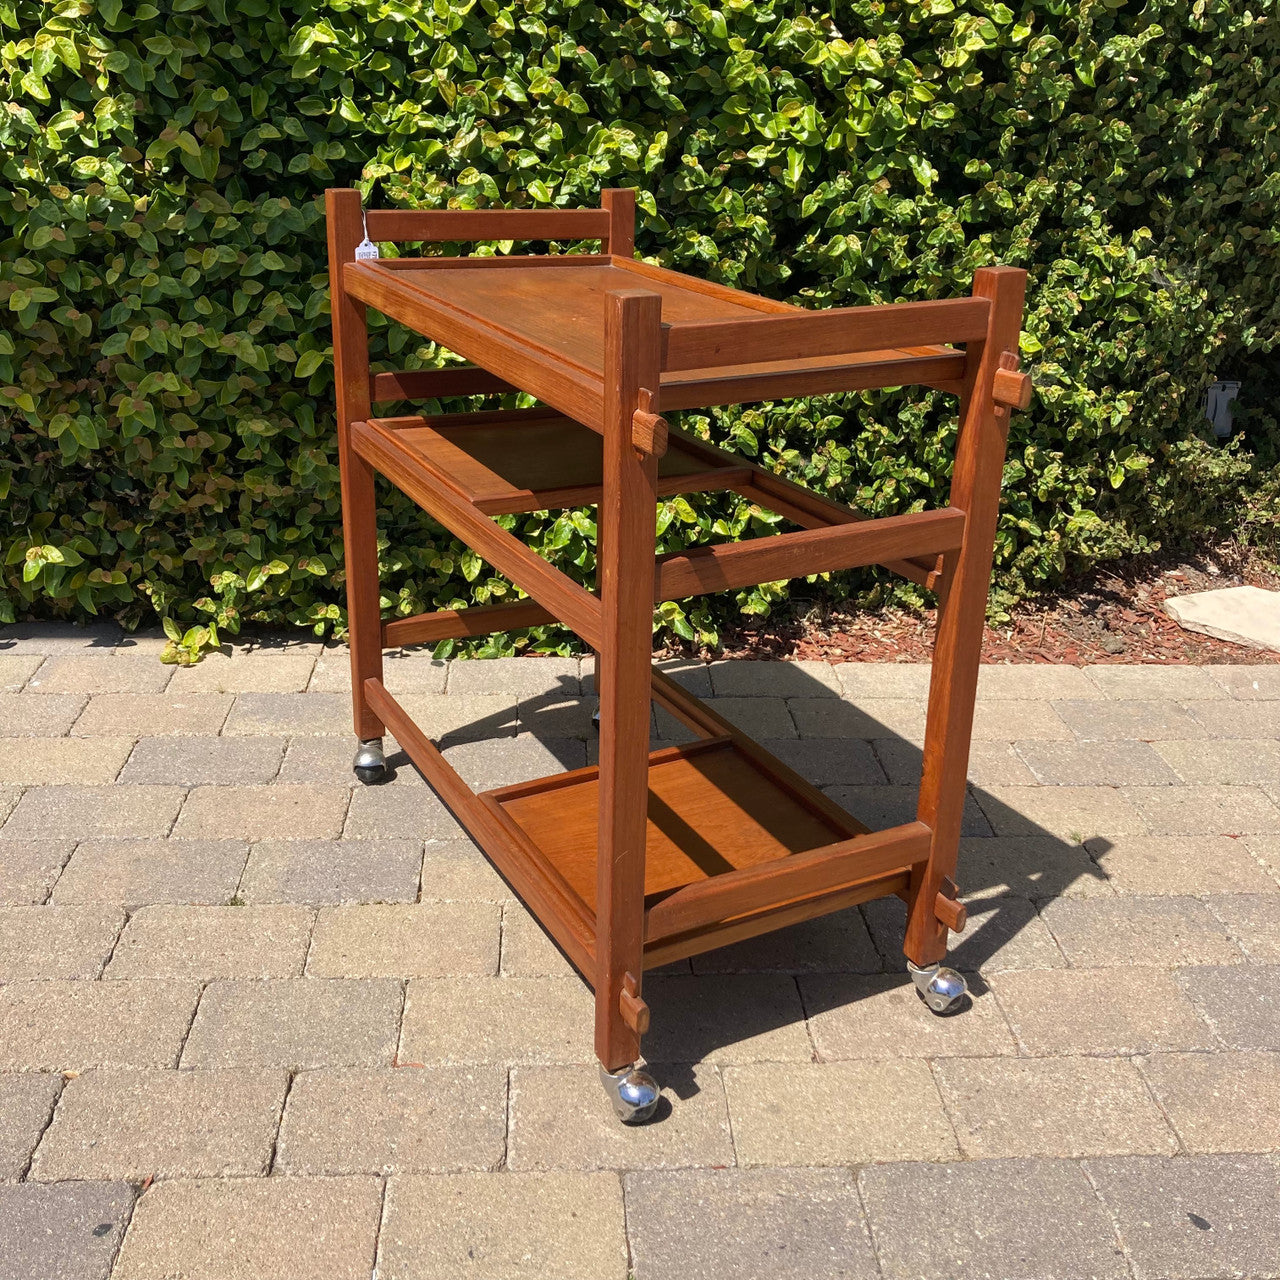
[[455, 624], [708, 288], [436, 384], [839, 331], [497, 263], [722, 897], [430, 225]]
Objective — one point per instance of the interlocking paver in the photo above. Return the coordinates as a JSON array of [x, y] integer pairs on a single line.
[[450, 718], [62, 760], [869, 719], [94, 812], [66, 1232], [527, 949], [839, 943], [1070, 813], [1234, 719], [1194, 1217], [1242, 1003], [1253, 920], [1033, 1219], [56, 942], [1000, 682], [213, 942], [16, 669], [751, 1224], [743, 678], [1097, 764], [138, 872], [1138, 720], [332, 872], [478, 1020], [1153, 680], [800, 1113], [201, 761], [26, 1102], [406, 940], [119, 714], [28, 869], [245, 673], [1191, 865], [1132, 930], [884, 1017], [456, 869], [1219, 1101], [880, 807], [1266, 849], [73, 1025], [1099, 1011], [514, 677], [403, 671], [60, 637], [851, 764], [394, 1120], [107, 672], [398, 813], [253, 1229], [50, 716], [690, 1128], [1026, 866], [991, 764], [283, 811], [1255, 683], [1005, 1107], [487, 765], [1207, 810], [1237, 760], [557, 716], [165, 1124], [1016, 720], [289, 714], [295, 1022]]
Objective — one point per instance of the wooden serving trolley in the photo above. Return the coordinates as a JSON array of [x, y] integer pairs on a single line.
[[653, 856]]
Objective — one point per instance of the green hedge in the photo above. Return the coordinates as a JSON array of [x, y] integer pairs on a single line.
[[166, 443]]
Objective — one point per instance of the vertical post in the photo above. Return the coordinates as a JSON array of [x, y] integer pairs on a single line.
[[632, 360], [962, 607], [359, 516], [621, 205]]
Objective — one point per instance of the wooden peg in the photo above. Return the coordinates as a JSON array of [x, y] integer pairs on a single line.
[[648, 430], [1011, 388], [948, 909], [635, 1013]]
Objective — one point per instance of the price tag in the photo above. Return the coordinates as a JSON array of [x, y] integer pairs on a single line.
[[366, 249]]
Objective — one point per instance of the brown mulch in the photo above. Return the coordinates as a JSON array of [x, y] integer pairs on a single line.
[[1112, 615]]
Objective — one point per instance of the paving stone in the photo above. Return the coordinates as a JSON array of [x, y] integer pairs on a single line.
[[839, 943], [28, 869], [1099, 1011], [1033, 1219], [1026, 866], [49, 716], [1241, 1002], [478, 1020], [884, 1017], [991, 764], [518, 678], [1219, 1101], [398, 813], [999, 682], [1097, 764], [283, 811], [164, 1124], [138, 872], [801, 1113], [9, 797], [403, 671], [761, 717], [1010, 720], [59, 637], [745, 678], [295, 1022], [527, 950], [148, 641], [1255, 683], [1005, 1107], [66, 1232], [213, 942], [201, 761], [245, 673], [107, 672], [1150, 932], [725, 1018], [332, 872], [16, 669], [690, 1127], [1129, 720], [1237, 760], [1070, 813], [329, 760], [289, 714], [878, 718], [1231, 718], [852, 763], [451, 718], [1179, 683], [254, 1229], [1202, 811], [405, 1120], [863, 681], [504, 1226], [89, 813], [1003, 933], [1266, 849], [1194, 1217], [557, 717], [880, 807], [751, 1224], [691, 674], [124, 714], [456, 869], [74, 1025], [62, 760], [1194, 865], [26, 1102], [1253, 920], [56, 942], [422, 940], [485, 766]]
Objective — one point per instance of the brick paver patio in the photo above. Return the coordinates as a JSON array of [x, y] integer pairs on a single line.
[[259, 1024]]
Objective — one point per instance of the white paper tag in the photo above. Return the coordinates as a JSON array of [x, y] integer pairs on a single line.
[[365, 250]]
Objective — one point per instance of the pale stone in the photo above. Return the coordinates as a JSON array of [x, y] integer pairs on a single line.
[[1243, 615]]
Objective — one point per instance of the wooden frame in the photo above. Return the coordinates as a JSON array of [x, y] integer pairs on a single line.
[[648, 857]]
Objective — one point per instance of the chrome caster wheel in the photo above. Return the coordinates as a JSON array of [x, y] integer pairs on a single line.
[[633, 1092], [942, 989], [595, 719], [370, 764]]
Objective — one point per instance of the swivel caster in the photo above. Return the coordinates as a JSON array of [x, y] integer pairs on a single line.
[[595, 719], [370, 764], [633, 1092], [942, 989]]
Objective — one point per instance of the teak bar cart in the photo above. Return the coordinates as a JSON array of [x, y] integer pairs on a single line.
[[653, 856]]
